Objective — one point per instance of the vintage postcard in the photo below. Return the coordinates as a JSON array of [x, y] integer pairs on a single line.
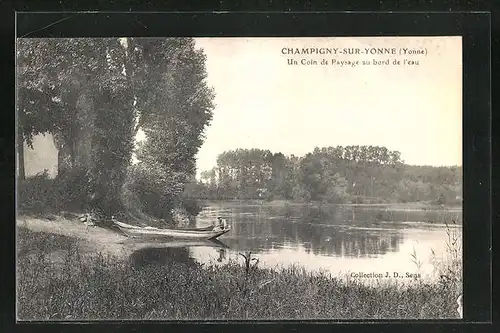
[[239, 178]]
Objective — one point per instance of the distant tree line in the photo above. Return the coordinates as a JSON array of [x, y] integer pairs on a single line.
[[352, 174]]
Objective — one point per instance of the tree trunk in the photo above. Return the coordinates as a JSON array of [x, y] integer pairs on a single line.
[[20, 156], [64, 154]]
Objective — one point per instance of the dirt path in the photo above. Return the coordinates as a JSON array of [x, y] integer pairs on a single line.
[[91, 239]]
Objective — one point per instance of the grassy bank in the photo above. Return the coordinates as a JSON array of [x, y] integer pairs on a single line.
[[93, 287]]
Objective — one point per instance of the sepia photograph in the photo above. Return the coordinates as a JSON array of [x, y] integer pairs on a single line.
[[239, 178]]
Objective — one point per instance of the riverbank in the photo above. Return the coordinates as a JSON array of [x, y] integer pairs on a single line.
[[66, 274], [390, 206]]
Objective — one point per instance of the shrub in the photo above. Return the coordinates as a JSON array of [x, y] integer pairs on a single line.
[[191, 205], [40, 194], [36, 194], [153, 190], [73, 190]]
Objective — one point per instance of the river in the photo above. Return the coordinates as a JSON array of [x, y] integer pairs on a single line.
[[337, 239]]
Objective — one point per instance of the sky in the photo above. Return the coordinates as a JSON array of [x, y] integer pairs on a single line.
[[263, 102]]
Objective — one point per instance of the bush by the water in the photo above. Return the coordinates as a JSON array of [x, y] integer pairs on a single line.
[[80, 287], [40, 194]]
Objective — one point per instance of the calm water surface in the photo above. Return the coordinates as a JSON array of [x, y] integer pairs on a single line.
[[335, 239]]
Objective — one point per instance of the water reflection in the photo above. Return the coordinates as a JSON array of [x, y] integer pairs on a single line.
[[335, 238], [318, 231], [329, 240]]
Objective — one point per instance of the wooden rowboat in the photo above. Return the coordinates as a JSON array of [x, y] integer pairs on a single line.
[[188, 233], [141, 243]]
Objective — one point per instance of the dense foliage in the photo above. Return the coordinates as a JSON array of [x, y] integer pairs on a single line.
[[334, 174], [179, 106], [94, 94]]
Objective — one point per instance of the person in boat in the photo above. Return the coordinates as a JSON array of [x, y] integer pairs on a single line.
[[222, 223]]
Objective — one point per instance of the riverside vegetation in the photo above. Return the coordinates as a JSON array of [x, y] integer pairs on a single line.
[[96, 286], [95, 102]]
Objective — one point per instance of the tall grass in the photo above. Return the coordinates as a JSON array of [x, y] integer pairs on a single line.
[[97, 287], [450, 268]]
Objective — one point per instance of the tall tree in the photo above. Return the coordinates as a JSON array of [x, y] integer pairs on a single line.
[[174, 105], [77, 90], [113, 136]]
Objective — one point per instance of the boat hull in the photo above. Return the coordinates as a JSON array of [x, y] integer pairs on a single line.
[[202, 233], [144, 243]]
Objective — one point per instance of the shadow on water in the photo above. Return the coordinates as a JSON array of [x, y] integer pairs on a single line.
[[160, 256], [162, 252]]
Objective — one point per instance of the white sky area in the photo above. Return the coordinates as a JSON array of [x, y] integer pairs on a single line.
[[262, 102]]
